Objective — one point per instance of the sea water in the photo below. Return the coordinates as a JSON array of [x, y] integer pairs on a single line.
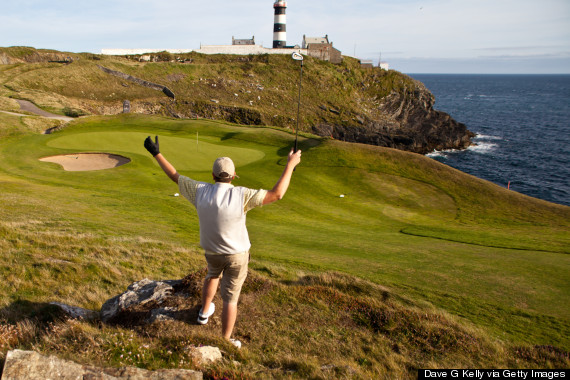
[[522, 127]]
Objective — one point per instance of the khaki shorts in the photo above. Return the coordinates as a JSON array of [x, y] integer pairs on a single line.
[[233, 271]]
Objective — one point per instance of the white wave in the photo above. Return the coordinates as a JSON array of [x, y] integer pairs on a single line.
[[487, 137], [441, 153], [482, 147], [436, 153]]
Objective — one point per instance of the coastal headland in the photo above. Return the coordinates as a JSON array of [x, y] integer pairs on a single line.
[[344, 101]]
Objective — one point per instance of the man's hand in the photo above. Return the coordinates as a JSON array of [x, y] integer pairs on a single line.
[[282, 184], [294, 158], [152, 147]]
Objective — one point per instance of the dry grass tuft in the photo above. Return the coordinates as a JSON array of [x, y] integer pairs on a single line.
[[540, 357], [11, 335]]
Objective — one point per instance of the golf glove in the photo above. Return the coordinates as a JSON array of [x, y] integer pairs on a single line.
[[152, 147]]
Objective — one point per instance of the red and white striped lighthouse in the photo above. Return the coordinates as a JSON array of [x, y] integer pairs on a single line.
[[279, 25]]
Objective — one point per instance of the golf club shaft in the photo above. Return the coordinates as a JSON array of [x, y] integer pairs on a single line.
[[298, 107]]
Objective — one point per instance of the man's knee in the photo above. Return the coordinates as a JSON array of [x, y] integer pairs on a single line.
[[230, 308]]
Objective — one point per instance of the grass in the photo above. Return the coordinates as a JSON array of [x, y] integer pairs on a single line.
[[249, 85], [419, 265]]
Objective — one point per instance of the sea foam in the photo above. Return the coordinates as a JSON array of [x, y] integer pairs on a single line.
[[487, 137], [482, 147]]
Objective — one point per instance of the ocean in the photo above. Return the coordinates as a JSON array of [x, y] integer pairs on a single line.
[[522, 123]]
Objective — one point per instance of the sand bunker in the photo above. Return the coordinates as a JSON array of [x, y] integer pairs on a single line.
[[87, 161]]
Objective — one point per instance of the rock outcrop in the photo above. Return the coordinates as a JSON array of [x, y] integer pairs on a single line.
[[147, 301], [411, 124], [138, 81], [141, 302], [32, 366], [74, 312]]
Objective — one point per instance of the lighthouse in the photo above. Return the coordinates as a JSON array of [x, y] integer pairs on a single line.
[[279, 27]]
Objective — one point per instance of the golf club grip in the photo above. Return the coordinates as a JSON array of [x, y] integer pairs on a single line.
[[295, 151]]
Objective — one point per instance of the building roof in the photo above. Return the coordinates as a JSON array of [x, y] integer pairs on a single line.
[[316, 40], [236, 41]]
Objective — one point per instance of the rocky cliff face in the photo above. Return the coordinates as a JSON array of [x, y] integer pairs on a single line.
[[411, 123]]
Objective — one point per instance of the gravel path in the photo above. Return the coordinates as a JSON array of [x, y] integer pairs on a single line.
[[30, 107]]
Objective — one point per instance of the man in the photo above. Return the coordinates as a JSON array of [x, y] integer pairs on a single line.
[[221, 211]]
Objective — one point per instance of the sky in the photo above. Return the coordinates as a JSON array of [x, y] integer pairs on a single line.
[[430, 36]]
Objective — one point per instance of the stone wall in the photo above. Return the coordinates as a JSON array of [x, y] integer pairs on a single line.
[[139, 81], [143, 51], [325, 52]]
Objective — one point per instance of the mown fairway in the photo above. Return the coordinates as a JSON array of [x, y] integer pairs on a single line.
[[496, 259]]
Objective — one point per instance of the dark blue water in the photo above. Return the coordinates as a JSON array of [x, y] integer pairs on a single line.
[[522, 124]]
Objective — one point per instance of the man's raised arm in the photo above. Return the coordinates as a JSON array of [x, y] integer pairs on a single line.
[[282, 184], [166, 166]]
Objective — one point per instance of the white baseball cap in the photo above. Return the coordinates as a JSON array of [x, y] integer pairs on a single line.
[[224, 168]]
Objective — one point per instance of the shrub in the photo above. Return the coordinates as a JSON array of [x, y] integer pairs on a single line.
[[73, 112]]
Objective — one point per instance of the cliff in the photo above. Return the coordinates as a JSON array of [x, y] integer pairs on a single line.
[[410, 123], [345, 101]]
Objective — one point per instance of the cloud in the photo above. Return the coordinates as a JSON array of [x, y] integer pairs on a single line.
[[435, 29]]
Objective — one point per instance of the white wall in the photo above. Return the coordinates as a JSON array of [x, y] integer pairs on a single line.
[[142, 51], [208, 49]]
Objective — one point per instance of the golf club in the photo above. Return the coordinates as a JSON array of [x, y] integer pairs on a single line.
[[298, 57]]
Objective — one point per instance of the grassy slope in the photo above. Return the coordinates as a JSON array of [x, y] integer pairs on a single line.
[[250, 83], [495, 259]]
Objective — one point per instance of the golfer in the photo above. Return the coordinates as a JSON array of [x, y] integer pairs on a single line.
[[221, 210]]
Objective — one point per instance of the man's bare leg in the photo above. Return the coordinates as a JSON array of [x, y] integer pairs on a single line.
[[229, 315], [208, 292]]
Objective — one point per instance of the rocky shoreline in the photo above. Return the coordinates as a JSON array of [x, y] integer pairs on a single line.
[[412, 124]]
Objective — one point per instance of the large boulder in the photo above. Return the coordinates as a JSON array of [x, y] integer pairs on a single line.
[[139, 294], [75, 312], [147, 301], [33, 366]]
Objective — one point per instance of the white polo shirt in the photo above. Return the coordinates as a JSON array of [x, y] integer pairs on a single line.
[[221, 210]]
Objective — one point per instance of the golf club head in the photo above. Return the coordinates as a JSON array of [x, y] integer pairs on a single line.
[[296, 56]]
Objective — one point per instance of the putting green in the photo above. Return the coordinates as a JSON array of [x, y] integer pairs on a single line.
[[183, 153]]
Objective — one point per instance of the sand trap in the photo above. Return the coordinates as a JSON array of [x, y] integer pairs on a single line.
[[87, 161]]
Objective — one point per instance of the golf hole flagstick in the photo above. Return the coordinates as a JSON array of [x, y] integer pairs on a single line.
[[298, 57]]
